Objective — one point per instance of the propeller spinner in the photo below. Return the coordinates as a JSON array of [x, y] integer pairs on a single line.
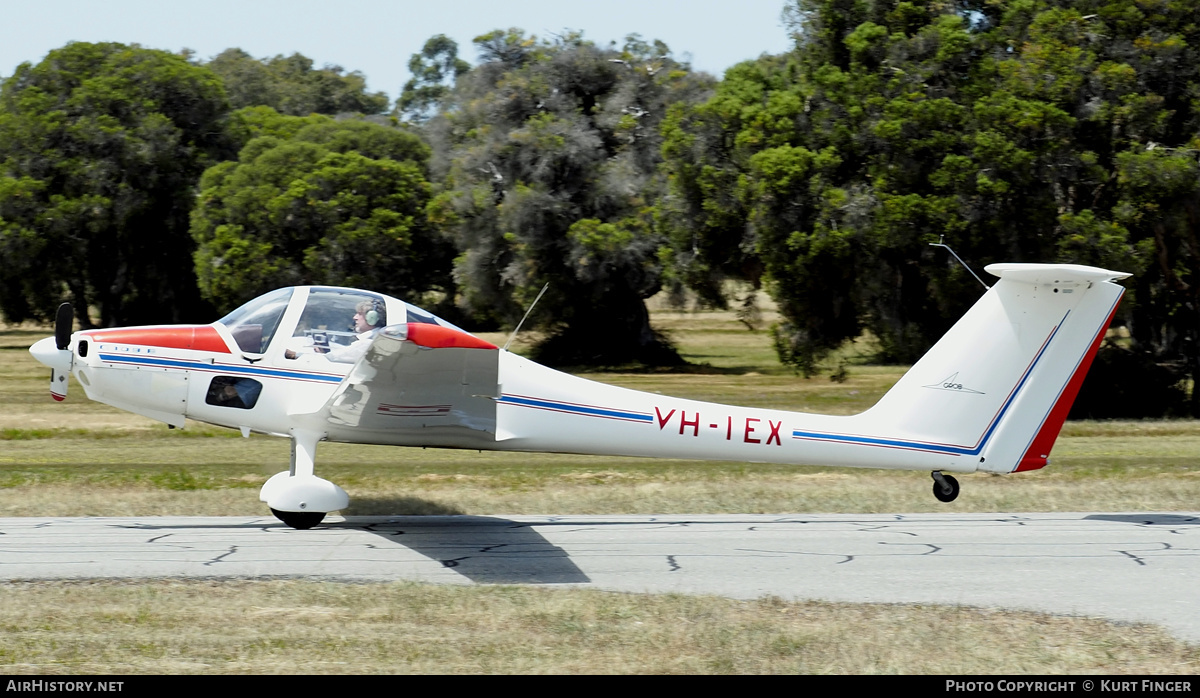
[[55, 353]]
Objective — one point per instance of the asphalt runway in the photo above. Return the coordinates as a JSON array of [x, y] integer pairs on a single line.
[[1141, 567]]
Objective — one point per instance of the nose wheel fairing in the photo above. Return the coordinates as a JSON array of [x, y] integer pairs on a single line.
[[296, 496]]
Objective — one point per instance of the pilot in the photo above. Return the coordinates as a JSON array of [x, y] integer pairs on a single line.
[[370, 316]]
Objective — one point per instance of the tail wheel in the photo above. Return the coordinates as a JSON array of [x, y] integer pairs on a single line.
[[945, 487], [302, 520]]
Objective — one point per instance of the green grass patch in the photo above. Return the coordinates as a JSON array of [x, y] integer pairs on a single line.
[[83, 457]]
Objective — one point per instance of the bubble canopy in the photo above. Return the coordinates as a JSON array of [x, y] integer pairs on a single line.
[[323, 316]]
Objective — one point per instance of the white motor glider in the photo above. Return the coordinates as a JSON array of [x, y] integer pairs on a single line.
[[990, 396]]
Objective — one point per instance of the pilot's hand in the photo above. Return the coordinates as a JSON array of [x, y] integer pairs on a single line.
[[290, 354]]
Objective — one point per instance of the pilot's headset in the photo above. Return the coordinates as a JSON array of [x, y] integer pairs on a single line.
[[373, 312]]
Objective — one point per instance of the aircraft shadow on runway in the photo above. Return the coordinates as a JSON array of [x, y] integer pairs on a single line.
[[484, 549]]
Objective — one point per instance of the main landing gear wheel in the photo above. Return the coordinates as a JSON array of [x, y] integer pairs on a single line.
[[302, 520], [945, 487]]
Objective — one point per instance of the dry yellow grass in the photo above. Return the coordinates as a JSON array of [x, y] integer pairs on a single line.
[[275, 626]]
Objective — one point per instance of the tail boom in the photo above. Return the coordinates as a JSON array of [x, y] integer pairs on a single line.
[[991, 395]]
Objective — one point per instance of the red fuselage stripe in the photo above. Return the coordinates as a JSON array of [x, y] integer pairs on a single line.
[[194, 337]]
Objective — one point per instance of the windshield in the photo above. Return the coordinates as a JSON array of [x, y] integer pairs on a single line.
[[254, 324], [332, 312], [337, 324]]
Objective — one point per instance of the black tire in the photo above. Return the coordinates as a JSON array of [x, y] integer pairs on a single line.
[[942, 495], [301, 520]]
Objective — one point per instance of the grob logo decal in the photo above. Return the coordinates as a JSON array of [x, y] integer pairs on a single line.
[[952, 384]]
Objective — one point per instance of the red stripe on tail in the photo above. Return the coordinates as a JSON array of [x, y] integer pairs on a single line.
[[1039, 449]]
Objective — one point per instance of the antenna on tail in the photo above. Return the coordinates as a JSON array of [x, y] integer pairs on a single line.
[[939, 243]]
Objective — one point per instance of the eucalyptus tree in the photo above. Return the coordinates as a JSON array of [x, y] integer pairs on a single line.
[[434, 71], [548, 154]]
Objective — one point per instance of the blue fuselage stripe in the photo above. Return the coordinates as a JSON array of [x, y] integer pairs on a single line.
[[943, 448], [577, 409], [221, 368], [894, 443]]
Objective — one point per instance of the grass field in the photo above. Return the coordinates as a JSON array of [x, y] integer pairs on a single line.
[[83, 458]]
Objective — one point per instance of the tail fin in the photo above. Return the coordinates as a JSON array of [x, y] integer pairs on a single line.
[[999, 384]]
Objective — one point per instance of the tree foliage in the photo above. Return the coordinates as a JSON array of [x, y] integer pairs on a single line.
[[100, 145], [290, 85], [549, 153], [434, 71], [1034, 130], [317, 201]]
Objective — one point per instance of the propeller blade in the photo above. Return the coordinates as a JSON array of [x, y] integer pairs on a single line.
[[64, 322]]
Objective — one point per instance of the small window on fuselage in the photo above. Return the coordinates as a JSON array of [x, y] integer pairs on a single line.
[[233, 391]]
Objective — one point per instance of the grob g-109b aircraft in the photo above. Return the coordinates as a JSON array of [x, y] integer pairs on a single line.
[[990, 396]]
